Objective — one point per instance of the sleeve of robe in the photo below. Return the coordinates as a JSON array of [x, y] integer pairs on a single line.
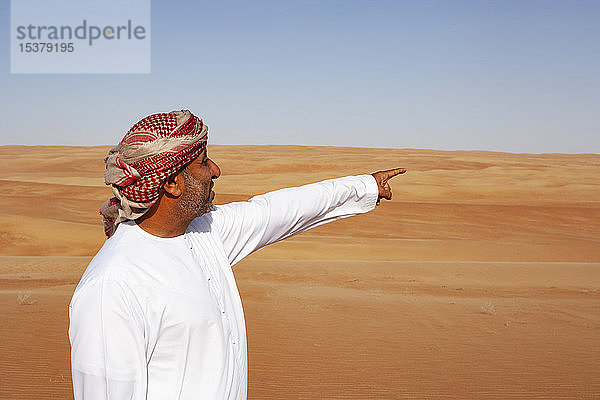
[[111, 326], [248, 226]]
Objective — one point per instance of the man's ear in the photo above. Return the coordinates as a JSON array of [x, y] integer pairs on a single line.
[[174, 185]]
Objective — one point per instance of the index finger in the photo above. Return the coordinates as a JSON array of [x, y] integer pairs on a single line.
[[390, 173]]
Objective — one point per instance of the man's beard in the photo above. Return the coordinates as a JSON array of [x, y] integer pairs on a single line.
[[195, 201]]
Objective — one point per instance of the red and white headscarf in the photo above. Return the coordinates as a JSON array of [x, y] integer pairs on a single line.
[[153, 150]]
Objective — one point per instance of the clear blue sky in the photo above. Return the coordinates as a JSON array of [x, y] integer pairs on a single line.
[[518, 76]]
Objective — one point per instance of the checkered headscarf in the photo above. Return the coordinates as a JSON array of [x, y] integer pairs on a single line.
[[153, 150]]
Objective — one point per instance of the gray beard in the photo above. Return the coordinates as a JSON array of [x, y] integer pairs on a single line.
[[196, 199]]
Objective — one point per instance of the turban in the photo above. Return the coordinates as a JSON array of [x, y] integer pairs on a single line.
[[153, 150]]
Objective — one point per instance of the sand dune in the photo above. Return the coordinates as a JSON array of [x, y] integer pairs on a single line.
[[479, 280]]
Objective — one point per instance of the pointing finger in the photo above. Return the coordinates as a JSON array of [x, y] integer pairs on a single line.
[[396, 171], [390, 173]]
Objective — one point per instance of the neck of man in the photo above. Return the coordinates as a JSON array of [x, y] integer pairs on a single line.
[[164, 219]]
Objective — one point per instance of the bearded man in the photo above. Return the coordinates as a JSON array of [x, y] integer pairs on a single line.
[[157, 313]]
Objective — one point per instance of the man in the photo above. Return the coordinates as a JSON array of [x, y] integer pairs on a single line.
[[157, 313]]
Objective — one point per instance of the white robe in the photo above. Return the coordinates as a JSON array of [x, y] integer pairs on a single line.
[[161, 318]]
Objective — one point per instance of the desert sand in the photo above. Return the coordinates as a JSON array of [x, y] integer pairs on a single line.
[[479, 280]]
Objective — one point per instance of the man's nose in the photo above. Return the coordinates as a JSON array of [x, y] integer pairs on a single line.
[[214, 169]]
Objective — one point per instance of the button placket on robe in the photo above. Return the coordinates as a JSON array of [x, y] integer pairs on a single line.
[[215, 291]]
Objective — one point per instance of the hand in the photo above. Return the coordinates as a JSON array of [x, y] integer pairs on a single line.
[[382, 177]]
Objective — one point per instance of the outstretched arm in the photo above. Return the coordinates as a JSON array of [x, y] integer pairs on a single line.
[[245, 227]]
